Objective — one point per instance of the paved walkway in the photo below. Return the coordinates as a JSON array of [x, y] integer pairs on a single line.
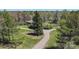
[[44, 40]]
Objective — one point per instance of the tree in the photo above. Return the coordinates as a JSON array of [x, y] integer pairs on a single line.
[[55, 18], [18, 16], [7, 27], [37, 24], [69, 29]]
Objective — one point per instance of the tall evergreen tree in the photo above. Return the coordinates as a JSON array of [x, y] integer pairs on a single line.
[[7, 26], [55, 18], [37, 24]]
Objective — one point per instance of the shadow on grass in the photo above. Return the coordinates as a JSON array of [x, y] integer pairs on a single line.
[[55, 47], [8, 44], [33, 34], [5, 41], [77, 43], [52, 48]]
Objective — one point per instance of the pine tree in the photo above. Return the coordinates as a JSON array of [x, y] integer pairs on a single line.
[[7, 27], [37, 24], [55, 17]]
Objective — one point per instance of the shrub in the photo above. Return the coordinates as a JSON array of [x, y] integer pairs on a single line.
[[47, 26], [76, 40]]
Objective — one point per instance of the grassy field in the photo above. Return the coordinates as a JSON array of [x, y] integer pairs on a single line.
[[52, 43], [23, 40], [28, 41]]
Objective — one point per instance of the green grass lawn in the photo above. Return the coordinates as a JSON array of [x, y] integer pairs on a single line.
[[52, 42], [23, 40], [28, 41]]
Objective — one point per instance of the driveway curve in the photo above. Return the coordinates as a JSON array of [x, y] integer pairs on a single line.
[[41, 44]]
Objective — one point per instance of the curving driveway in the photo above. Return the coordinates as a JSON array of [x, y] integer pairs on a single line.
[[41, 44]]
